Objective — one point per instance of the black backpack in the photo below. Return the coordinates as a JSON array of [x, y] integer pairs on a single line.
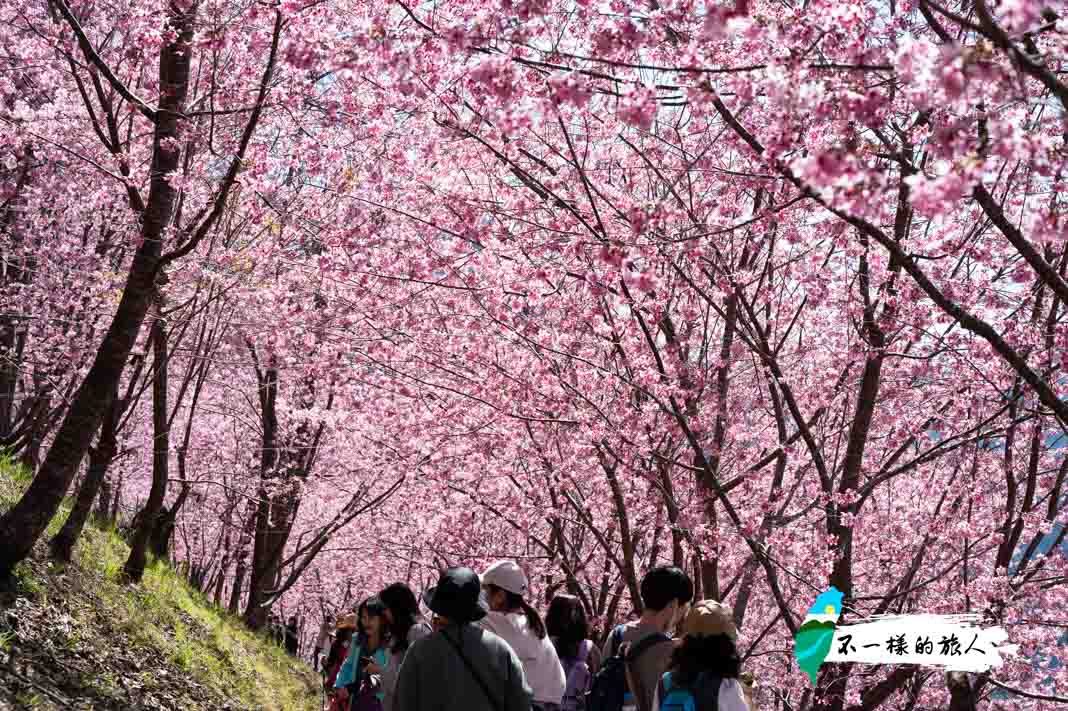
[[610, 683]]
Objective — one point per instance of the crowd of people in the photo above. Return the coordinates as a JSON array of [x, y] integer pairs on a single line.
[[286, 635], [486, 648]]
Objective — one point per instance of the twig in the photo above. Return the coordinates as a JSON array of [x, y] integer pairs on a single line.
[[1028, 694]]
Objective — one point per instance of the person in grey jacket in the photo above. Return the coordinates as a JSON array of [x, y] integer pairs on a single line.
[[460, 665]]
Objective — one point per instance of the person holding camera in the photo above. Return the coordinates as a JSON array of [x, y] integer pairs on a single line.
[[339, 649], [359, 682]]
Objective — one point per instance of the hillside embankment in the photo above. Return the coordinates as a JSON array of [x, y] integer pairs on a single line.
[[76, 637]]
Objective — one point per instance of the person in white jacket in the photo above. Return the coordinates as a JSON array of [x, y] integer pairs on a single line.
[[517, 623]]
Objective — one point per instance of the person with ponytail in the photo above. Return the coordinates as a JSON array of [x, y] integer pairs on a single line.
[[513, 619], [406, 625]]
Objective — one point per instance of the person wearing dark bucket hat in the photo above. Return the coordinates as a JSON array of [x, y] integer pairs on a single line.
[[456, 596], [460, 665]]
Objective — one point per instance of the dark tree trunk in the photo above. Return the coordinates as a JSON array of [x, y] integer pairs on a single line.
[[100, 457], [23, 525], [30, 458], [103, 502], [256, 612], [220, 581], [289, 461], [224, 566], [160, 542], [261, 570], [849, 481], [12, 271], [154, 515], [248, 525], [159, 538], [9, 375], [235, 591], [116, 501], [962, 694]]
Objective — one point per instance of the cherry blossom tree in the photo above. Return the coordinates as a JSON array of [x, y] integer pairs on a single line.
[[773, 292]]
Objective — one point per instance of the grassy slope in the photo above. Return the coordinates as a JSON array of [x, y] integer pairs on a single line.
[[76, 638]]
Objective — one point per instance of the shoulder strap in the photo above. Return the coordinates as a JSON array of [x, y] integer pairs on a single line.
[[474, 673], [663, 687], [639, 648], [631, 656], [661, 693], [617, 638], [355, 651], [631, 683]]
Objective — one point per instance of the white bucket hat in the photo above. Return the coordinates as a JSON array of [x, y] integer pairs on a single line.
[[506, 575]]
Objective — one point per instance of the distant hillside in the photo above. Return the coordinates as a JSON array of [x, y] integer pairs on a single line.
[[75, 638]]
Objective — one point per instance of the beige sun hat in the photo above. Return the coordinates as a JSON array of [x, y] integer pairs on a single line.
[[709, 617]]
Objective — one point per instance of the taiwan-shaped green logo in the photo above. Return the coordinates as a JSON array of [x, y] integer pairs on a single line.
[[813, 640]]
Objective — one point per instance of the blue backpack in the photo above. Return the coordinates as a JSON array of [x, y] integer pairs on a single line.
[[609, 689], [702, 695]]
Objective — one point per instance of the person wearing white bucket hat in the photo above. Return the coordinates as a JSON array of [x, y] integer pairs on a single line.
[[513, 619]]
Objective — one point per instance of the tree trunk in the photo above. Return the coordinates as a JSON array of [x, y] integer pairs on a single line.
[[30, 458], [151, 516], [224, 566], [99, 458], [116, 501], [160, 542], [962, 694], [261, 571], [220, 581], [235, 591], [9, 372], [103, 502], [291, 462], [23, 525], [13, 271], [248, 525]]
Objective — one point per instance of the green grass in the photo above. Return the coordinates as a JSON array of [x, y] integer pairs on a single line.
[[165, 615]]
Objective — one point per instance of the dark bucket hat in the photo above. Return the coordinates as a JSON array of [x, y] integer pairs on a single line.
[[456, 596]]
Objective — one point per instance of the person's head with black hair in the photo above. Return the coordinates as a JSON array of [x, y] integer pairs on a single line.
[[566, 624], [402, 612], [708, 645], [715, 654], [372, 624], [666, 594], [338, 648]]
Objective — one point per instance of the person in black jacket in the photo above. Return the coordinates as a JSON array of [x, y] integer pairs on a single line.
[[292, 641], [460, 665]]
